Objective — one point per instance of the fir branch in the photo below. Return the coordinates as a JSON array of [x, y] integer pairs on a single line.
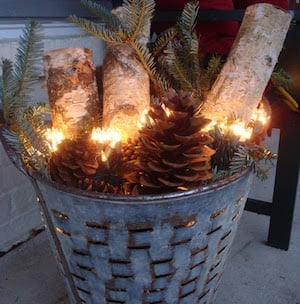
[[177, 68], [213, 69], [31, 129], [27, 61], [30, 160], [138, 15], [280, 78], [27, 133], [162, 40], [252, 156], [18, 78], [8, 91], [225, 143], [179, 60], [148, 62], [103, 14], [189, 16], [98, 30], [13, 141]]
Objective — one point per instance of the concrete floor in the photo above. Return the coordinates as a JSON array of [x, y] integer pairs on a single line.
[[255, 273]]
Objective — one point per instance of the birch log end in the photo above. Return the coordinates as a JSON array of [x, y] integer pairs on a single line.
[[254, 54], [72, 89]]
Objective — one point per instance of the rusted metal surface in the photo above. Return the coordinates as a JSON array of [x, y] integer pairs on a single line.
[[144, 249]]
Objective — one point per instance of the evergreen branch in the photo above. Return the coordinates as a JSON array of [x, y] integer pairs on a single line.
[[13, 141], [148, 62], [138, 15], [280, 78], [98, 30], [8, 91], [103, 14], [213, 69], [188, 17], [251, 156], [25, 151], [162, 40], [27, 134], [177, 69], [32, 129], [27, 60]]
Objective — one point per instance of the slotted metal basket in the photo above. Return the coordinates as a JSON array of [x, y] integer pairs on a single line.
[[151, 249]]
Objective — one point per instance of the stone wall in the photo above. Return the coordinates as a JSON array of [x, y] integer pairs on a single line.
[[19, 214]]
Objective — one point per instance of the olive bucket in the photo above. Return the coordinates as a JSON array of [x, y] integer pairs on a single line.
[[148, 249]]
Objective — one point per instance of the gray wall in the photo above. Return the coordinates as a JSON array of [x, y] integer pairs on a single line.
[[50, 9]]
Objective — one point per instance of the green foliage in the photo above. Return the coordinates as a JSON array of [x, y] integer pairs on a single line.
[[280, 78], [252, 156], [28, 60], [102, 13], [162, 40], [214, 66], [98, 30], [138, 17], [26, 124], [18, 78], [9, 99], [225, 142], [187, 21], [233, 156], [177, 52]]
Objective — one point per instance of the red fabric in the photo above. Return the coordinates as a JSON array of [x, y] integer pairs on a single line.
[[216, 37]]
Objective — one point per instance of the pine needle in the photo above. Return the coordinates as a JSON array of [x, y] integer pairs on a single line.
[[252, 156], [26, 124], [213, 69], [27, 60], [189, 16], [138, 15], [103, 14], [163, 40], [98, 30], [280, 78], [8, 91]]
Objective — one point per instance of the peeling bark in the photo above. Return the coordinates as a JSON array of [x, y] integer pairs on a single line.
[[72, 89], [240, 85]]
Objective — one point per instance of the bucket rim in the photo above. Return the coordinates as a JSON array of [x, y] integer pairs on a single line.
[[145, 198]]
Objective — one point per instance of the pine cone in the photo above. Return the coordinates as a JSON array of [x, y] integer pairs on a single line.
[[74, 161], [78, 163], [173, 152]]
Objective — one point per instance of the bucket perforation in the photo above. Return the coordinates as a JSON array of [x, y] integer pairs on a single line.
[[172, 252]]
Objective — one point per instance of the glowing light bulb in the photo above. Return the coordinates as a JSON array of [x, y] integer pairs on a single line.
[[106, 136], [54, 138]]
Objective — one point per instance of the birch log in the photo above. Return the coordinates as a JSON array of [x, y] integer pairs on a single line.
[[72, 89], [126, 86], [245, 75]]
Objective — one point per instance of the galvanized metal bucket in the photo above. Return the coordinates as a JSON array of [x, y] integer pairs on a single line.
[[143, 249]]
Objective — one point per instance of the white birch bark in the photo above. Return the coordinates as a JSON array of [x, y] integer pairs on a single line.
[[242, 81], [126, 86], [72, 89]]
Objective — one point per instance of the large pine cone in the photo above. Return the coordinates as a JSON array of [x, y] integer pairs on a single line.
[[173, 152], [78, 163]]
